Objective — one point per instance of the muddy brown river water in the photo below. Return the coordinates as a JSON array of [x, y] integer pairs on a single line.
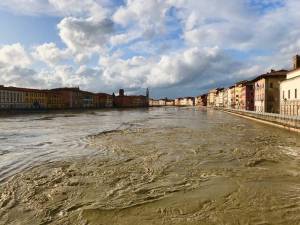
[[150, 166]]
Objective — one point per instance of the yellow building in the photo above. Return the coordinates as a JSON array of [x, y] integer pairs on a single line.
[[238, 94], [54, 100], [35, 99]]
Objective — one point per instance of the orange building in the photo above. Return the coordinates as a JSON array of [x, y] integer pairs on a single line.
[[103, 100], [124, 101], [71, 97], [54, 100], [247, 96]]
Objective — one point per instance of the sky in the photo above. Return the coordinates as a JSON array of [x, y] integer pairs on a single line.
[[174, 47]]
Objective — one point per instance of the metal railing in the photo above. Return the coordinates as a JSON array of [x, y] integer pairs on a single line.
[[274, 115]]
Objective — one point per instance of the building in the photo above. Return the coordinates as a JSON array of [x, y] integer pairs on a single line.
[[201, 100], [71, 97], [247, 96], [103, 100], [88, 99], [238, 94], [12, 98], [219, 100], [186, 101], [124, 101], [289, 91], [231, 97], [267, 91], [178, 101], [162, 102], [153, 102], [211, 98], [26, 98], [225, 98], [35, 98], [54, 100], [170, 102]]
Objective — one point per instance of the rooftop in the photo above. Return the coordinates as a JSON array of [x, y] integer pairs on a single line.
[[272, 73]]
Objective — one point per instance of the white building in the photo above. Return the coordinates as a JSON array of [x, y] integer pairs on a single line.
[[187, 101], [12, 98], [290, 91]]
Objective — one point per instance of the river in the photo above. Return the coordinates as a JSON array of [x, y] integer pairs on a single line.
[[147, 166]]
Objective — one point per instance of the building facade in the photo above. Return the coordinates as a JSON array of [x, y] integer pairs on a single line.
[[103, 100], [170, 102], [71, 97], [267, 91], [231, 97], [201, 100], [289, 91], [211, 97], [12, 98], [54, 100], [225, 98], [162, 102], [238, 94], [247, 96], [88, 100], [124, 101], [186, 101], [219, 100], [153, 102]]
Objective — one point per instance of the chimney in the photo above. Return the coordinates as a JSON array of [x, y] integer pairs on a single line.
[[121, 92], [296, 61]]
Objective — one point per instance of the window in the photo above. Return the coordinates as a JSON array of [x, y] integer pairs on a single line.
[[289, 94], [282, 94], [296, 93], [271, 85]]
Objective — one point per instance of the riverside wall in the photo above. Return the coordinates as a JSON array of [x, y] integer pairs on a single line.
[[287, 122]]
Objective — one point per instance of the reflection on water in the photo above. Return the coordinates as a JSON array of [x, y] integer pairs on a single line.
[[154, 166]]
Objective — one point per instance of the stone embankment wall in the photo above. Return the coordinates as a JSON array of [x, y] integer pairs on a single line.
[[284, 121]]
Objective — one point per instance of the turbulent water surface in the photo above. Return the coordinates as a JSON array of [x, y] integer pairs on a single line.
[[148, 166]]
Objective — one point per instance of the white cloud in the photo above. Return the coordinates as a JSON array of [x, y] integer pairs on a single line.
[[206, 37], [170, 70], [14, 55], [85, 36], [149, 16], [86, 8], [51, 54], [19, 76], [123, 38]]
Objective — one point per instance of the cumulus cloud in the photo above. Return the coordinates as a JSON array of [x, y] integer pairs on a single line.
[[19, 76], [14, 55], [208, 47], [15, 66], [180, 68], [86, 8], [147, 17], [85, 36], [50, 54]]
